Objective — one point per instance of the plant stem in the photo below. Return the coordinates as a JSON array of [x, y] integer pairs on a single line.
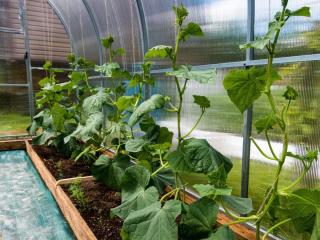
[[270, 145], [195, 125], [260, 150], [274, 227], [167, 194], [298, 180], [159, 169]]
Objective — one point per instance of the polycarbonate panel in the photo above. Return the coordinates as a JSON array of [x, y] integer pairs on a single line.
[[83, 37], [9, 14], [304, 129], [221, 126], [120, 19], [14, 111], [12, 71], [48, 39], [299, 36], [11, 46], [223, 23]]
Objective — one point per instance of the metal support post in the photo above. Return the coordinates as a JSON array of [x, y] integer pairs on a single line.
[[27, 59], [247, 127]]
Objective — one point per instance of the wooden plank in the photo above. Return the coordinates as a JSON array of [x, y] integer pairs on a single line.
[[15, 144], [71, 213], [67, 181]]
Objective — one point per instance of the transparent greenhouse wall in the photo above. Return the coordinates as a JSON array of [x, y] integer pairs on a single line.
[[14, 111], [125, 30], [221, 126], [223, 23], [78, 22]]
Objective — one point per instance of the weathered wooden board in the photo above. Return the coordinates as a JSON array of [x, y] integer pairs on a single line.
[[16, 144], [70, 212]]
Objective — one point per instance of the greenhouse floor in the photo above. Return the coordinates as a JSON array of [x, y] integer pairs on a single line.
[[27, 209]]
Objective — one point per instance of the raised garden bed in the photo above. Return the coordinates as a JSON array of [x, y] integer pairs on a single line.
[[84, 222]]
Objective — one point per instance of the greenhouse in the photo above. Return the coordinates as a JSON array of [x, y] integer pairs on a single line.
[[159, 120]]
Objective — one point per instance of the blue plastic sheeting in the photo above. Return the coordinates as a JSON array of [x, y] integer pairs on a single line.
[[27, 208]]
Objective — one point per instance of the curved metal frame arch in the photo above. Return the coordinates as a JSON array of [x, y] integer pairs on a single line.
[[96, 29], [64, 23]]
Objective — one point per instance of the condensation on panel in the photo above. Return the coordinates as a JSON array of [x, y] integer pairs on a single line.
[[300, 36], [223, 23], [14, 111], [160, 25], [120, 19], [304, 131], [83, 36], [48, 38], [9, 14]]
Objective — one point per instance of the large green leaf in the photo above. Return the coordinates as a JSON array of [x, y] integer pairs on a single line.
[[244, 86], [134, 196], [160, 51], [94, 103], [138, 200], [304, 210], [85, 132], [44, 137], [136, 144], [110, 171], [58, 115], [125, 102], [107, 69], [238, 204], [197, 155], [163, 179], [156, 101], [201, 76], [192, 29], [146, 122], [199, 219], [223, 233], [207, 190], [136, 178], [154, 222]]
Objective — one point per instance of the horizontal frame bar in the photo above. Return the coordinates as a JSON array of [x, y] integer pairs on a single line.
[[280, 60], [14, 85], [11, 30], [41, 68]]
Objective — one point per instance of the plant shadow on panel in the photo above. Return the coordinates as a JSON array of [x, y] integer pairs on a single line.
[[84, 122]]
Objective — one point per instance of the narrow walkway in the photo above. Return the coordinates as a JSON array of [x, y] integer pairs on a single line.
[[27, 209]]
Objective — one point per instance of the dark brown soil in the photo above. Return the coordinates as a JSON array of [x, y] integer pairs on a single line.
[[59, 165], [96, 213]]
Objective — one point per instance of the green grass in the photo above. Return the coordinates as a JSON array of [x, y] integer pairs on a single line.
[[13, 123]]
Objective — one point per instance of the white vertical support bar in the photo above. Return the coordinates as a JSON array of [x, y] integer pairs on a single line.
[[24, 27], [247, 128]]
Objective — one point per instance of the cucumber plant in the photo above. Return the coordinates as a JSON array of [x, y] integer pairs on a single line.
[[148, 211], [59, 105], [283, 205]]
